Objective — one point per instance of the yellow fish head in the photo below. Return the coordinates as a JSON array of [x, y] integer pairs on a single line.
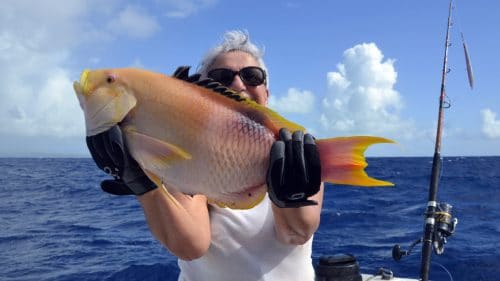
[[105, 99]]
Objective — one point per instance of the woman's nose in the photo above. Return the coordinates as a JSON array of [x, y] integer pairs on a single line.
[[237, 84]]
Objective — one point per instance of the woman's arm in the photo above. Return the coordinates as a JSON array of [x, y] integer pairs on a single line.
[[294, 181], [296, 225], [180, 222]]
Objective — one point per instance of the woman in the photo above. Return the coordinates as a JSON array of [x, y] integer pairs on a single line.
[[267, 242]]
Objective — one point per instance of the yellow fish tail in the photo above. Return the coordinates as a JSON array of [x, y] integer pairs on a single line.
[[343, 161]]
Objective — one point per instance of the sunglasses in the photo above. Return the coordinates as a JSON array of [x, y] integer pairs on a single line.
[[250, 75]]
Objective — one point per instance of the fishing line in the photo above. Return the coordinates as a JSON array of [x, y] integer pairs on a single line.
[[457, 17], [443, 267]]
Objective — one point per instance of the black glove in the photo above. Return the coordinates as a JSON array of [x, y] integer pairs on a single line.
[[294, 171], [110, 154]]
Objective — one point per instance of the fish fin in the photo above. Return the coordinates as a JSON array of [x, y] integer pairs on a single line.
[[153, 177], [182, 73], [343, 162], [167, 191], [243, 200], [259, 113], [159, 183], [268, 117], [157, 153]]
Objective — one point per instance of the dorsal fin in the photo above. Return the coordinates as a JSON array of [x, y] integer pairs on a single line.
[[253, 110], [182, 73]]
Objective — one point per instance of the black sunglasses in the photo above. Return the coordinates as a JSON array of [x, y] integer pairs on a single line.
[[250, 75]]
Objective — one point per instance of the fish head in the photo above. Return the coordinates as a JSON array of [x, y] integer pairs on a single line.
[[105, 99]]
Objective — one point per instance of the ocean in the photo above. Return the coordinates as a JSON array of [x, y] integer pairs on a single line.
[[57, 224]]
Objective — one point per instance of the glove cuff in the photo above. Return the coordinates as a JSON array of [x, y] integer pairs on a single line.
[[289, 203], [141, 185]]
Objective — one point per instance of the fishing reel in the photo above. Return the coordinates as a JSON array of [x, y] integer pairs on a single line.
[[444, 227]]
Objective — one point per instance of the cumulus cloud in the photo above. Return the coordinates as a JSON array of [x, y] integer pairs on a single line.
[[296, 101], [34, 87], [491, 125], [185, 8], [361, 97], [51, 110], [37, 45]]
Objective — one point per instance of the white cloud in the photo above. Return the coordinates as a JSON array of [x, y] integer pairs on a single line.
[[296, 101], [50, 111], [36, 46], [39, 27], [185, 8], [35, 90], [40, 43], [134, 22], [361, 97], [491, 125]]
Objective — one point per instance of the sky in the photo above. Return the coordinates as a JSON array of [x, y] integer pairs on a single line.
[[339, 68]]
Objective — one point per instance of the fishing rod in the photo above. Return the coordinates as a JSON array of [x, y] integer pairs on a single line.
[[439, 222], [433, 212]]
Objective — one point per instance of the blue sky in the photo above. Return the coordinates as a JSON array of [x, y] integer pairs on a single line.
[[338, 67]]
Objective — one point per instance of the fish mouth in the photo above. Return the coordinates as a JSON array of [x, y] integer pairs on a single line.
[[83, 81], [81, 88]]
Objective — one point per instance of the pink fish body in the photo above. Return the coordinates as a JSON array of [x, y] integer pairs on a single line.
[[198, 141]]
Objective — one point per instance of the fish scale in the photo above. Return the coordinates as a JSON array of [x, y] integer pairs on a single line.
[[230, 145], [236, 149]]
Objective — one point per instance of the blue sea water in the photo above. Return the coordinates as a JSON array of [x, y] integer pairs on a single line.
[[56, 223]]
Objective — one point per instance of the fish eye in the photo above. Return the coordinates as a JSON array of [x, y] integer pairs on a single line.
[[111, 78]]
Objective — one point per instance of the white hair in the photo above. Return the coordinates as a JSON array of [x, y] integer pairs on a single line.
[[233, 40]]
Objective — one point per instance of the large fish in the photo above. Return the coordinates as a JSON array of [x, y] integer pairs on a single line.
[[201, 141]]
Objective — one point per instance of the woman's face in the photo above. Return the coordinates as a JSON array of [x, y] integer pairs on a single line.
[[236, 60]]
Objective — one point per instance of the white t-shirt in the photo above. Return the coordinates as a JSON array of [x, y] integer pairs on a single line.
[[245, 248]]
